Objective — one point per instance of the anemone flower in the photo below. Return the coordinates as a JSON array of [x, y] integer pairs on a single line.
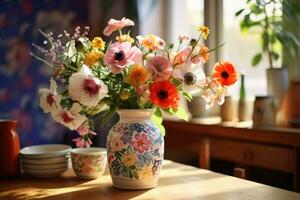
[[85, 88], [121, 55], [114, 25], [191, 75], [49, 99], [164, 94], [160, 67], [224, 73]]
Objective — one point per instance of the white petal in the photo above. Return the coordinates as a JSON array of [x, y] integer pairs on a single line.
[[53, 86], [76, 108]]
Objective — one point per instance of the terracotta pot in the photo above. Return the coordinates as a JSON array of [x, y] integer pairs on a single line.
[[9, 149], [290, 108]]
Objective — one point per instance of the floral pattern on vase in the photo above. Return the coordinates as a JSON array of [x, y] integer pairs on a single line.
[[135, 153]]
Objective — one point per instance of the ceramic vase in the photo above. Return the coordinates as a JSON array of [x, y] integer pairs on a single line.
[[9, 149], [277, 82], [135, 150]]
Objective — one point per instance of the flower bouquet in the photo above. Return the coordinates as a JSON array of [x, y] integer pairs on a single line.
[[140, 78]]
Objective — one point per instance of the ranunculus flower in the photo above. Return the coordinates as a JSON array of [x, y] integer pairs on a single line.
[[70, 118], [160, 67], [192, 75], [114, 25], [49, 99], [164, 94], [137, 76], [182, 56], [224, 73], [121, 55], [85, 88]]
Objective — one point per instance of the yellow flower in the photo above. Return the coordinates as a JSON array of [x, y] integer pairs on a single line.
[[98, 43], [145, 172], [125, 38], [137, 76], [91, 58], [151, 42], [129, 159], [124, 95], [204, 30]]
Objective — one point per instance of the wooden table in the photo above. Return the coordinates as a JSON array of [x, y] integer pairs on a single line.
[[177, 181], [268, 148]]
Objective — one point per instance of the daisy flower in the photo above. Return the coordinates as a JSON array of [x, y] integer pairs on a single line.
[[160, 67], [224, 73], [85, 88], [70, 118], [164, 94], [49, 99], [192, 76], [98, 43], [121, 55], [204, 30], [114, 25]]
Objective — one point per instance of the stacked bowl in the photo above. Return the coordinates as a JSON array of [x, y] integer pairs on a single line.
[[45, 161]]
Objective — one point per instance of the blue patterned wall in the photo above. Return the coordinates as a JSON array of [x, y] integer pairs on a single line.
[[20, 75]]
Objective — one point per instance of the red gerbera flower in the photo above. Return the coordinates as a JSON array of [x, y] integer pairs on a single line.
[[224, 73], [164, 94]]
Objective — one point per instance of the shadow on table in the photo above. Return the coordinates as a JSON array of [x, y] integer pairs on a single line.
[[97, 191]]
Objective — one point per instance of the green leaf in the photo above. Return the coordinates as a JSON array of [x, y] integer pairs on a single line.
[[157, 119], [188, 96], [180, 112], [256, 59], [239, 12]]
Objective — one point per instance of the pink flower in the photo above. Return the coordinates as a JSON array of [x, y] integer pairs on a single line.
[[84, 129], [182, 56], [114, 25], [121, 55], [81, 142], [183, 37], [141, 142], [160, 68]]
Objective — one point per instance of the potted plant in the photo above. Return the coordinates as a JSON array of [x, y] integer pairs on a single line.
[[268, 19]]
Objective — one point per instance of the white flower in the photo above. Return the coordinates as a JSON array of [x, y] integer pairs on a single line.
[[70, 118], [49, 99], [85, 88], [192, 76], [213, 92]]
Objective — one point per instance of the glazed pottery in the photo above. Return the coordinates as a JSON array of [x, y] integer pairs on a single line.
[[45, 151], [135, 150], [229, 109], [9, 149], [89, 163], [264, 111]]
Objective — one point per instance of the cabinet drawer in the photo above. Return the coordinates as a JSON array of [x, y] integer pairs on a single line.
[[267, 156]]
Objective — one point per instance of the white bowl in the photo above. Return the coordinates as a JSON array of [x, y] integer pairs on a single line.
[[45, 151], [45, 167], [45, 173], [45, 161]]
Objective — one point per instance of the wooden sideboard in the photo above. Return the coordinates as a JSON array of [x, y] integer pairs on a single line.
[[274, 149]]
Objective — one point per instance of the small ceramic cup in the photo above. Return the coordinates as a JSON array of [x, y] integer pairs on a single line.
[[89, 163]]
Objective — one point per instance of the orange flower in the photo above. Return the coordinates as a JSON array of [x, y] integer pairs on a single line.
[[137, 76], [224, 73], [91, 58], [164, 94], [204, 30], [202, 55]]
